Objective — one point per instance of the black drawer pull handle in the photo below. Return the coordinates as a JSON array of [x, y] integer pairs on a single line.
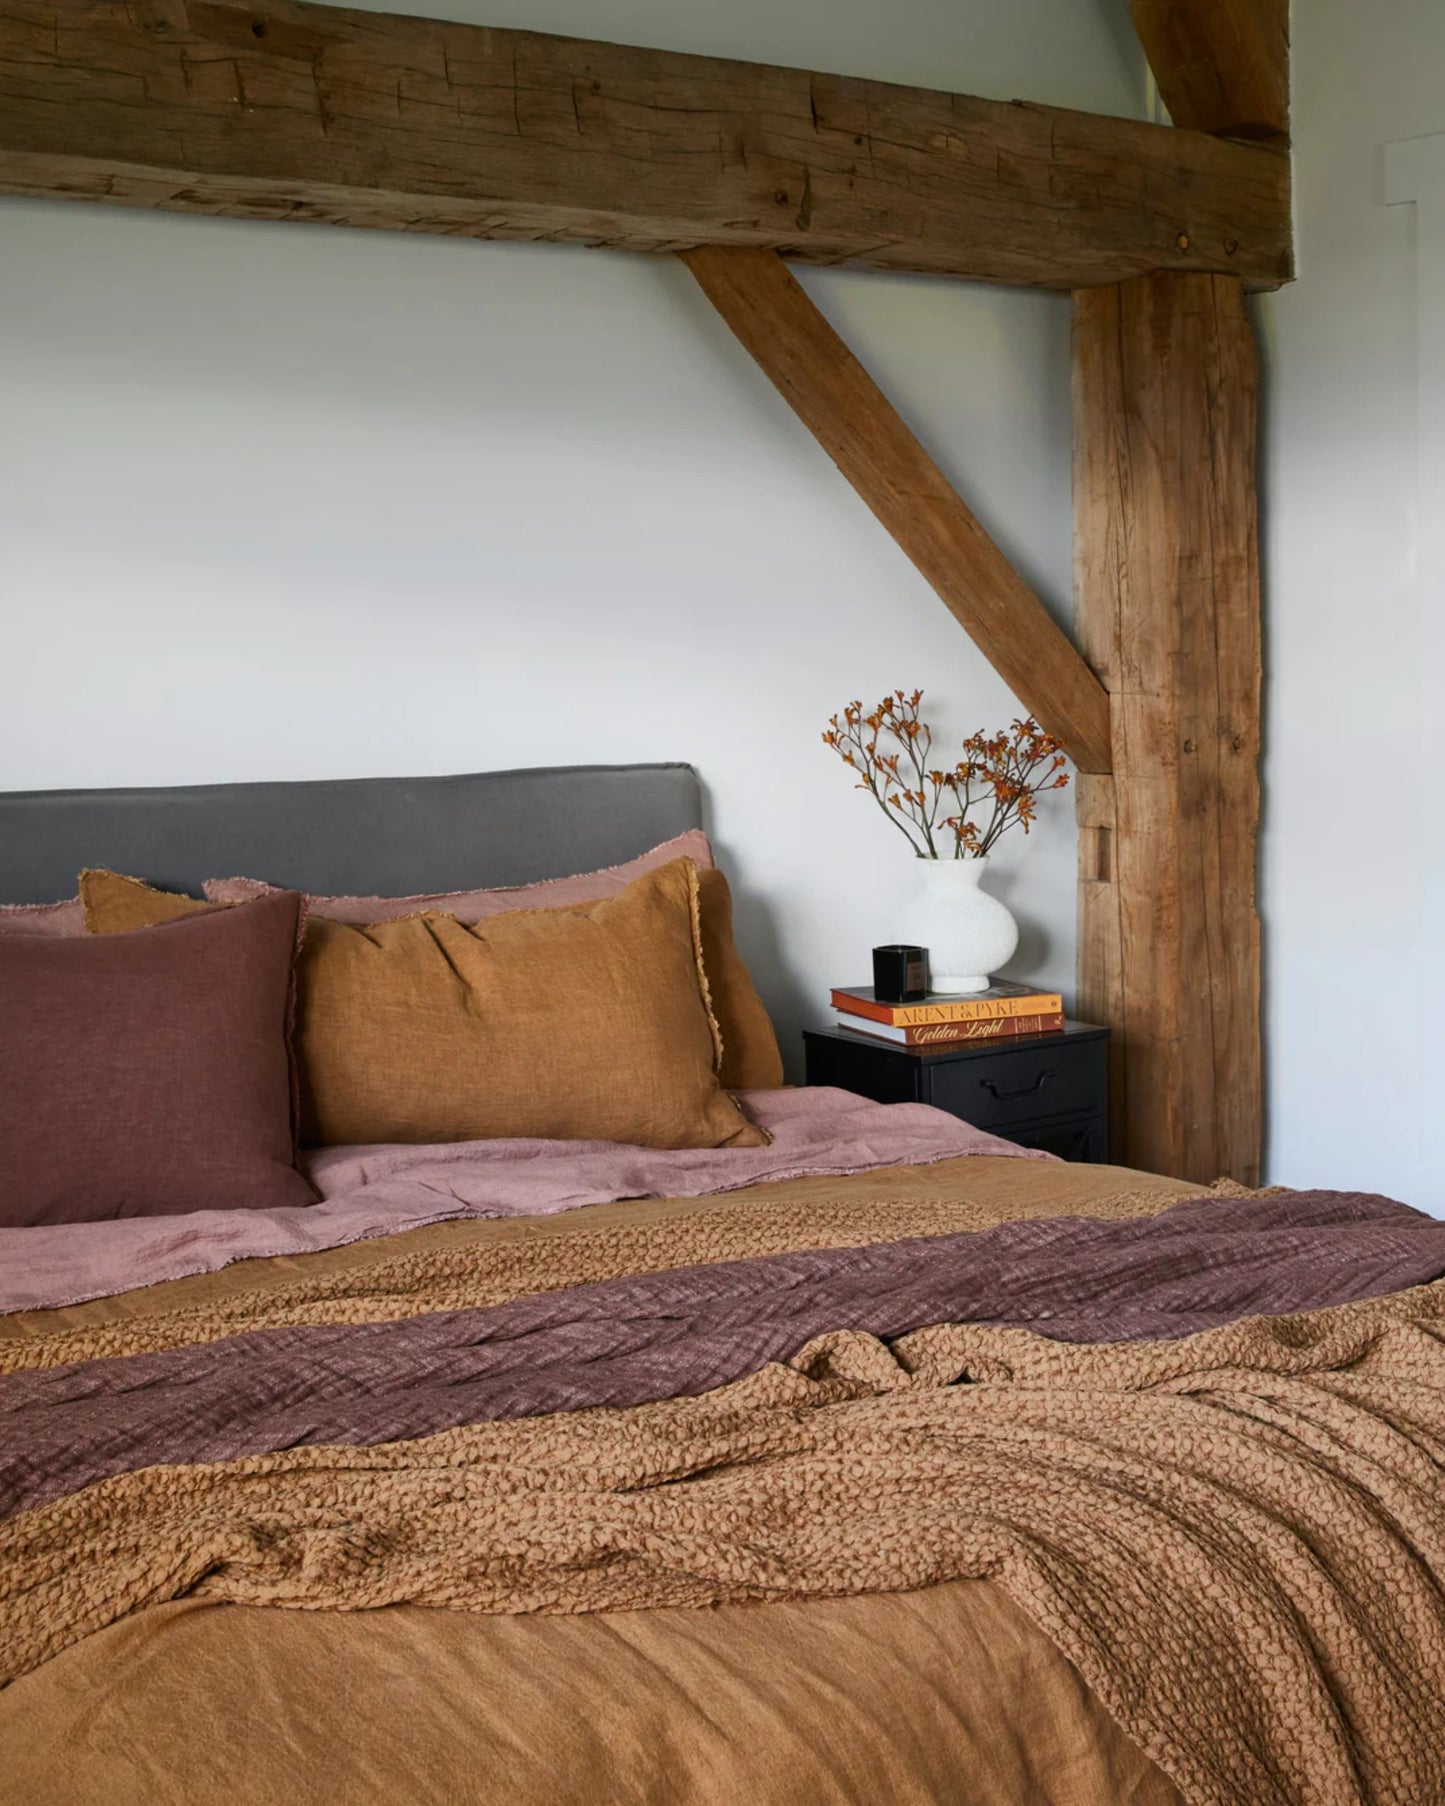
[[1023, 1090]]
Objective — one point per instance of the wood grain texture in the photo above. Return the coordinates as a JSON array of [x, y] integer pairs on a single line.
[[304, 112], [1167, 587], [859, 428], [1221, 65]]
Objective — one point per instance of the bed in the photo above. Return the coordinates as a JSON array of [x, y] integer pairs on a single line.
[[880, 1462]]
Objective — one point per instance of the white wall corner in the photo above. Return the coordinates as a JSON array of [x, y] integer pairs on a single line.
[[1414, 173]]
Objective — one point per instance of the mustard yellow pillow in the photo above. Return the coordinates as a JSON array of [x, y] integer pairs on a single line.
[[583, 1025], [590, 1024], [115, 904], [750, 1057]]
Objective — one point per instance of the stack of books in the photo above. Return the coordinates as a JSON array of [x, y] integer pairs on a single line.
[[944, 1017]]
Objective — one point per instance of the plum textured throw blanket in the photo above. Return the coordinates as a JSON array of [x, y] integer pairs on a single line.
[[1230, 1520]]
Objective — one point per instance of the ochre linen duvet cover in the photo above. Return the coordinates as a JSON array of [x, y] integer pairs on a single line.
[[984, 1480]]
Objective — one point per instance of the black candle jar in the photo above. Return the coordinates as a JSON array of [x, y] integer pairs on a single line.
[[900, 974]]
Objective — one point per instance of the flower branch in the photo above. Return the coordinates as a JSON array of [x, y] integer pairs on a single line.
[[955, 812]]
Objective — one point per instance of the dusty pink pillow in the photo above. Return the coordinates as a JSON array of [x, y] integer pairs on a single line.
[[149, 1074], [53, 921], [473, 906]]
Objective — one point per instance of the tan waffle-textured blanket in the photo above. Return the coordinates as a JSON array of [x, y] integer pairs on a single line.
[[1236, 1538]]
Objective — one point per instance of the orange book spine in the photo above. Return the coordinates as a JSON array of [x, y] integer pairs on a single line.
[[925, 1015]]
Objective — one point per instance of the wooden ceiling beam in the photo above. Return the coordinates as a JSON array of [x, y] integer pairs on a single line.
[[861, 431], [1222, 65], [298, 112]]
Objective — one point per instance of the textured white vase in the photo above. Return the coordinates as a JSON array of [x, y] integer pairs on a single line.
[[968, 933]]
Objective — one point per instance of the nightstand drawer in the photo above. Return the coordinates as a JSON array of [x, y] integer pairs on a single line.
[[1049, 1091], [1026, 1084]]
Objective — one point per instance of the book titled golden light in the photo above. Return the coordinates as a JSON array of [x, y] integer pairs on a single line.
[[995, 1004], [949, 1034]]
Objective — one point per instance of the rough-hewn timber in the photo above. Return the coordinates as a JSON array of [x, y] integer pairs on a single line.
[[1221, 65], [319, 113], [859, 428], [1167, 586]]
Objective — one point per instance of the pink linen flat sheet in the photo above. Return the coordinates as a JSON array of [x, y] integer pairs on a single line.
[[371, 1191]]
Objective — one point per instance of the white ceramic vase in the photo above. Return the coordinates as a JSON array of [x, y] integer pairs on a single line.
[[968, 933]]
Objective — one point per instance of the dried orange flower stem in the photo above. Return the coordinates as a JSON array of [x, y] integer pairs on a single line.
[[1001, 776]]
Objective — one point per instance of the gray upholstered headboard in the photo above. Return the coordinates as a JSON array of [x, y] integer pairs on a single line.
[[384, 836]]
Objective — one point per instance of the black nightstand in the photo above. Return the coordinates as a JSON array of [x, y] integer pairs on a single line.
[[1042, 1091]]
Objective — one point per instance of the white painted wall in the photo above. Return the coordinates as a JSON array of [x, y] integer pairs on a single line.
[[286, 503], [1354, 843]]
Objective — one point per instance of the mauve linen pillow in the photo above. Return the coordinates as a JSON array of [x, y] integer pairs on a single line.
[[750, 1059], [149, 1074], [473, 906], [53, 921]]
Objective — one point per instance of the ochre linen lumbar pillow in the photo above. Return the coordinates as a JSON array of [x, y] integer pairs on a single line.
[[750, 1058], [586, 1025], [148, 1074]]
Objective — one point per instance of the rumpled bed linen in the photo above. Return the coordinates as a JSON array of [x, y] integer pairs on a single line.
[[687, 1330], [1228, 1520], [382, 1190]]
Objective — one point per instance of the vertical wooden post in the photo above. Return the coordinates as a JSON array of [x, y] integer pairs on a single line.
[[1167, 588]]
